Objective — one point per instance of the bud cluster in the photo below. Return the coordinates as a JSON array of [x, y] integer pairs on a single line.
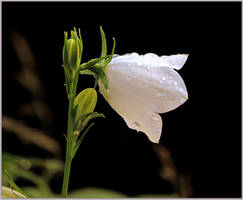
[[72, 50]]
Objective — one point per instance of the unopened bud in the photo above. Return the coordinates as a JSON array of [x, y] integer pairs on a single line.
[[72, 50], [85, 101]]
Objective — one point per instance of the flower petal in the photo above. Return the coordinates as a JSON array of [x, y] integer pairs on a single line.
[[151, 59], [154, 84], [136, 115], [175, 61]]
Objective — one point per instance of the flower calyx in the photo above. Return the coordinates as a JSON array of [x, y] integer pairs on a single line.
[[97, 66]]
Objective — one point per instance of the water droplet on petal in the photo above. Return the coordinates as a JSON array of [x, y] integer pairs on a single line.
[[150, 55], [134, 54], [175, 83], [182, 100], [137, 124], [128, 78], [160, 94], [155, 118]]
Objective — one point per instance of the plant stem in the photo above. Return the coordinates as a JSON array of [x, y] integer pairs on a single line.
[[68, 159]]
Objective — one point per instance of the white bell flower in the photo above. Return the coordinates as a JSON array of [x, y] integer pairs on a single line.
[[141, 86]]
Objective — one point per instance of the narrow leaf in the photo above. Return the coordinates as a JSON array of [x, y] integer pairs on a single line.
[[80, 140], [103, 40], [87, 72], [83, 120], [91, 116], [103, 79], [13, 184], [91, 63], [112, 53], [75, 111]]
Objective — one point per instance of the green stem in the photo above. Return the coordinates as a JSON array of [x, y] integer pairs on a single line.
[[68, 159]]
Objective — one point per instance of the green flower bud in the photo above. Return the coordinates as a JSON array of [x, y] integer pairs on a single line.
[[72, 50], [85, 103]]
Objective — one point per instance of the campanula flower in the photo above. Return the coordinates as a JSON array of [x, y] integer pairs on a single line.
[[141, 86]]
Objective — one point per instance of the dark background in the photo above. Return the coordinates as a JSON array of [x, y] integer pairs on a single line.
[[203, 135]]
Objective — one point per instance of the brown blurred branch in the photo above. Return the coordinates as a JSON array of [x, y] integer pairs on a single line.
[[30, 135], [27, 76], [29, 79], [180, 182]]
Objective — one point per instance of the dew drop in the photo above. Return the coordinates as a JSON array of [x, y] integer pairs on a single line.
[[150, 55], [175, 83], [160, 94], [182, 100], [128, 78], [134, 54], [180, 89], [163, 78], [137, 125], [155, 118]]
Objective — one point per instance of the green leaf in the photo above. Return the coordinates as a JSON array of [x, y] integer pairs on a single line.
[[20, 167], [75, 108], [172, 195], [112, 53], [64, 53], [96, 67], [37, 193], [100, 74], [103, 40], [80, 140], [92, 116], [103, 79], [84, 119], [91, 63], [87, 72], [96, 193]]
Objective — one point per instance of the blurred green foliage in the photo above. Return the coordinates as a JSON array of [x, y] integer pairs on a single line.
[[96, 193], [22, 167]]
